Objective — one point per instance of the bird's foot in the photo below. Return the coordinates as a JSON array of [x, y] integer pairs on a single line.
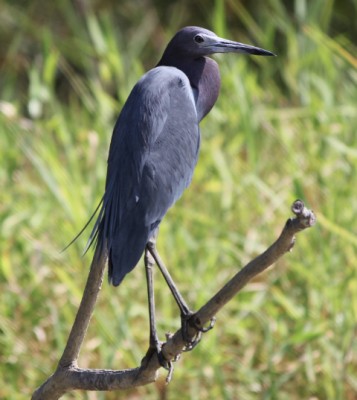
[[189, 320], [164, 362], [156, 348]]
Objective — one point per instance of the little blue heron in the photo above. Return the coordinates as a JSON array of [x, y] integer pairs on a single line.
[[153, 153]]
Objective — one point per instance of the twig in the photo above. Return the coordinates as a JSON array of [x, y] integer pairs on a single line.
[[69, 377]]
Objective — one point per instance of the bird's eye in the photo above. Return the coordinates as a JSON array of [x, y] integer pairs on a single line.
[[198, 39]]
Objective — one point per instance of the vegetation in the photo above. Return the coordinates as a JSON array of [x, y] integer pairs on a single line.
[[283, 128]]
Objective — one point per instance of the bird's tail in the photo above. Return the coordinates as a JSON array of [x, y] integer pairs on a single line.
[[94, 231]]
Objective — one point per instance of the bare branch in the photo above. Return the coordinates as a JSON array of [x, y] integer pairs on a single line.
[[85, 310], [304, 219], [69, 377]]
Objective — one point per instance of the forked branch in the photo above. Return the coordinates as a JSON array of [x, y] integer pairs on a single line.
[[68, 376]]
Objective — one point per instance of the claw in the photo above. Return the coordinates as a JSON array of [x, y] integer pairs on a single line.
[[170, 373], [209, 327], [189, 319], [191, 344], [166, 364], [156, 348]]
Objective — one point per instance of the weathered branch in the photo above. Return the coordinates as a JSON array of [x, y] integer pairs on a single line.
[[69, 376]]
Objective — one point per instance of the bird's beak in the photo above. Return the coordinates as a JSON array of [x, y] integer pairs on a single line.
[[219, 45]]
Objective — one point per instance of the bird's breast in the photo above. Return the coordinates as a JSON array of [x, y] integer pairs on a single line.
[[207, 88]]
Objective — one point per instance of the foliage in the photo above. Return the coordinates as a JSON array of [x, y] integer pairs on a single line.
[[283, 128]]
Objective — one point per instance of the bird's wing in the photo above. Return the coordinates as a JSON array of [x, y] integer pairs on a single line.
[[144, 151]]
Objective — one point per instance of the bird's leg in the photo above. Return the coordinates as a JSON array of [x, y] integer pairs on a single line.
[[155, 344], [151, 245], [185, 311]]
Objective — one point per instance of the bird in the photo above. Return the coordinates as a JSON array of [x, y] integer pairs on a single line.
[[153, 153]]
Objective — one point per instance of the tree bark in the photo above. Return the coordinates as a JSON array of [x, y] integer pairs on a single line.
[[68, 376]]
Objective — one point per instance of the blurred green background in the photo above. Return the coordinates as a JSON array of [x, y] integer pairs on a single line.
[[283, 128]]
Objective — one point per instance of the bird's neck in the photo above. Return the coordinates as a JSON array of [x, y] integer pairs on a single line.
[[205, 80]]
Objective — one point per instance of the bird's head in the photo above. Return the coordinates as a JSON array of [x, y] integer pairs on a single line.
[[194, 42]]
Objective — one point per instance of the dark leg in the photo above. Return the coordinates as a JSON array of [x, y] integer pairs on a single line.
[[149, 263], [151, 246], [185, 311], [155, 344]]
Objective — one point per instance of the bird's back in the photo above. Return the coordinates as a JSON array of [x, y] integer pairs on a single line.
[[152, 156]]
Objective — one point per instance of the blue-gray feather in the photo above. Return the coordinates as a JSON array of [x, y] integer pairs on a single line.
[[152, 156]]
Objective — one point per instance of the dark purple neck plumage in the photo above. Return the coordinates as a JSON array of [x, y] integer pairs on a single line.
[[205, 80]]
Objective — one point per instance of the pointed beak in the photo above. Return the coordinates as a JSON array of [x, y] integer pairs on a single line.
[[219, 45]]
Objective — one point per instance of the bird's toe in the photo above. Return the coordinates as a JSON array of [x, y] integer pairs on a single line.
[[190, 321]]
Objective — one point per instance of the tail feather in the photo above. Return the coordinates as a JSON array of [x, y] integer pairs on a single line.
[[126, 250], [94, 231]]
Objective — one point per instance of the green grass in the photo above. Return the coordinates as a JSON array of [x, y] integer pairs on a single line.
[[283, 128]]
